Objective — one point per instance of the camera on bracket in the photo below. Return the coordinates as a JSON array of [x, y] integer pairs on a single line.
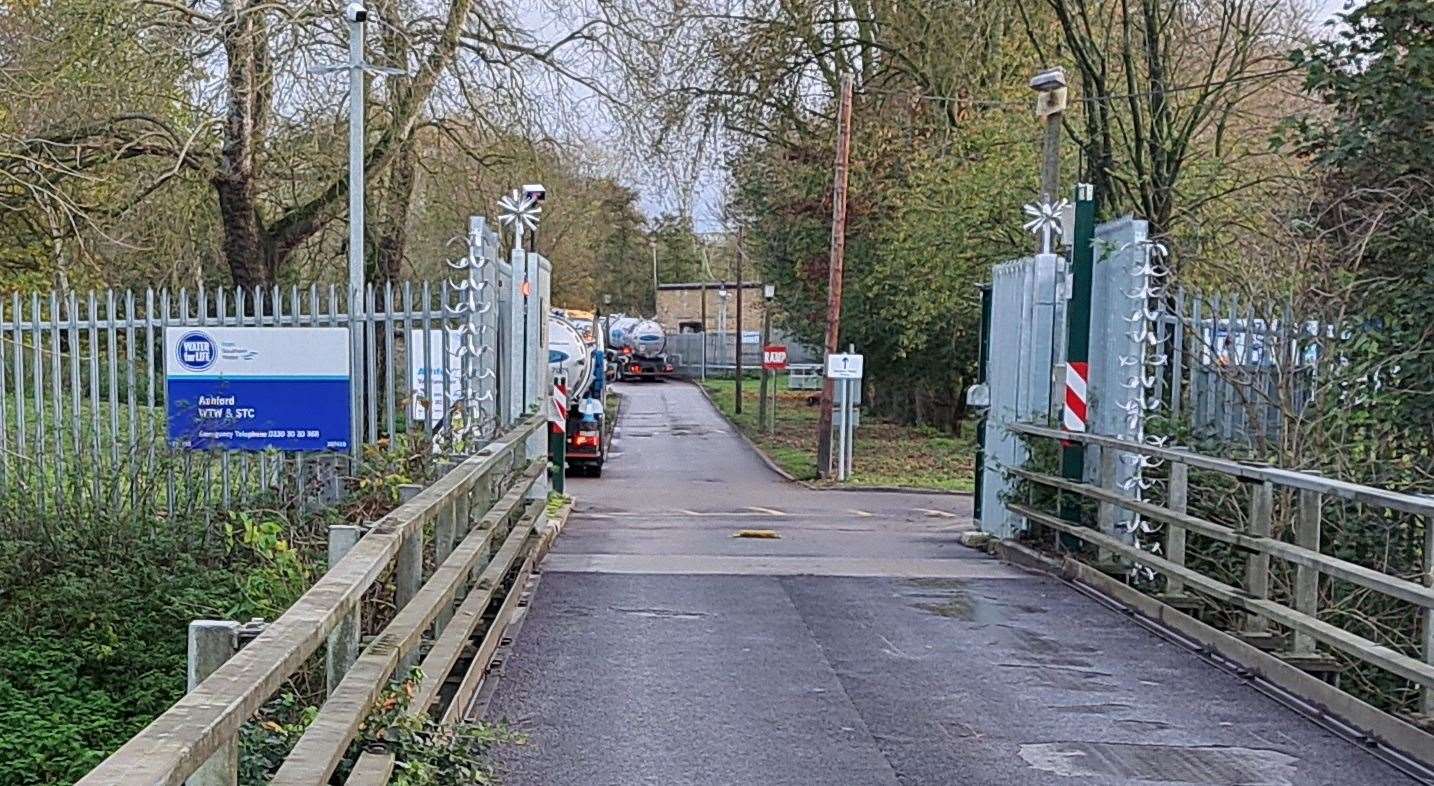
[[536, 193], [356, 12]]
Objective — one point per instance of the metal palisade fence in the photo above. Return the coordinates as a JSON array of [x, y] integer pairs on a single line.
[[718, 358], [1026, 356], [82, 385], [1241, 369]]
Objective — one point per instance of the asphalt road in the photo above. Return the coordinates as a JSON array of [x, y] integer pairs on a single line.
[[863, 646]]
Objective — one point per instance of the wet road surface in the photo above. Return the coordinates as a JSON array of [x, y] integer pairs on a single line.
[[865, 646]]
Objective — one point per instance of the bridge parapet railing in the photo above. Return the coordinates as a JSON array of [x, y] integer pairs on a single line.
[[485, 515], [1300, 498]]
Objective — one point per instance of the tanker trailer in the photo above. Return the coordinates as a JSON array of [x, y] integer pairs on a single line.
[[643, 352], [573, 358]]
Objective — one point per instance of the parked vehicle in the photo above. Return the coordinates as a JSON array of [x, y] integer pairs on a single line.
[[639, 348], [582, 362]]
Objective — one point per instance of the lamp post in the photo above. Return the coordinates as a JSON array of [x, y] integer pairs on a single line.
[[1050, 87], [737, 375], [653, 242], [356, 15]]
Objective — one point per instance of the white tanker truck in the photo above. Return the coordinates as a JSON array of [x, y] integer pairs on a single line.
[[572, 357], [639, 348]]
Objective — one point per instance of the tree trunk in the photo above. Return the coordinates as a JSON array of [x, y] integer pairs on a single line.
[[246, 44], [243, 244], [392, 243]]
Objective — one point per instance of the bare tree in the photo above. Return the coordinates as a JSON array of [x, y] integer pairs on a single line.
[[1163, 83], [266, 135]]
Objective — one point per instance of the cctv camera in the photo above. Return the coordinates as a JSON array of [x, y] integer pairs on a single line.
[[536, 193], [1048, 80], [356, 13]]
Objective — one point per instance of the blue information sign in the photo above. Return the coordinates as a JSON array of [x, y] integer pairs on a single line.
[[250, 388]]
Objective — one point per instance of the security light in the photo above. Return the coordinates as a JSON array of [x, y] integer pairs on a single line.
[[1049, 80]]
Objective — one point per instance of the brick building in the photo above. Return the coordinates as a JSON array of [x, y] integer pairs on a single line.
[[679, 306]]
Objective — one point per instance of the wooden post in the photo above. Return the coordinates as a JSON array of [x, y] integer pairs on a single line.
[[738, 360], [343, 643], [1257, 565], [1426, 701], [1051, 159], [211, 643], [1106, 513], [443, 542], [1175, 536], [1307, 534], [834, 274], [408, 571], [704, 330]]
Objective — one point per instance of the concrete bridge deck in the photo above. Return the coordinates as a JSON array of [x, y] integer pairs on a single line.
[[862, 647]]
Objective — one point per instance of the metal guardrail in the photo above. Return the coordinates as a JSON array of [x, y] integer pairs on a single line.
[[1256, 540], [492, 486]]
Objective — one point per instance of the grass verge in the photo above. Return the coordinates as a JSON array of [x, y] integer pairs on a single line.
[[886, 453]]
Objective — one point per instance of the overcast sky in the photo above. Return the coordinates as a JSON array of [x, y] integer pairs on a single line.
[[707, 197]]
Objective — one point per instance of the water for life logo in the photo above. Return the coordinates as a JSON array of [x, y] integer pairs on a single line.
[[196, 351]]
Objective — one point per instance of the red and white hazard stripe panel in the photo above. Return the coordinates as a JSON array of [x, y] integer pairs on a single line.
[[1077, 374], [559, 415]]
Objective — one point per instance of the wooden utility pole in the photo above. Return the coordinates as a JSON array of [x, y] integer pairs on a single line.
[[834, 274], [740, 238]]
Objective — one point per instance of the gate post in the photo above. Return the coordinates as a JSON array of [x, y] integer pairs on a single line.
[[558, 434], [1077, 370], [983, 356]]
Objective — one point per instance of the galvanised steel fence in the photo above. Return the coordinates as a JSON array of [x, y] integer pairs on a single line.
[[82, 398], [1026, 356], [718, 358], [1239, 369]]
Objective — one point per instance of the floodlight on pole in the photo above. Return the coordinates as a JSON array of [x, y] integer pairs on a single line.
[[356, 15], [1050, 87]]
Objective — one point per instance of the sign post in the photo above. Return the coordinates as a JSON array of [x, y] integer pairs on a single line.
[[558, 433], [846, 371], [255, 388], [1075, 413], [774, 361]]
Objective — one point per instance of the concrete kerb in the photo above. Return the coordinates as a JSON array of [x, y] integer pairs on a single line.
[[761, 454], [1375, 727], [550, 531], [616, 417], [815, 486], [812, 484]]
